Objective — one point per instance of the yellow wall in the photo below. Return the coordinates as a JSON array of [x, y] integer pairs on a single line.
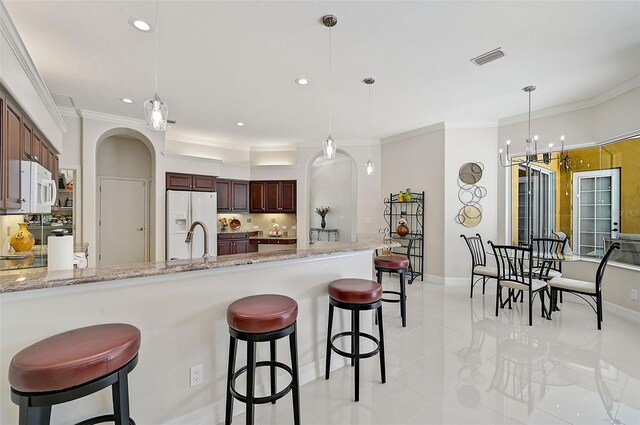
[[624, 155]]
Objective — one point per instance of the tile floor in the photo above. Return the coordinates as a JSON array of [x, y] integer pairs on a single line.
[[456, 363]]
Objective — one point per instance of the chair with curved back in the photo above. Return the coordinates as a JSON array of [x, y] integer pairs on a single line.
[[550, 247], [479, 262], [582, 287], [514, 265]]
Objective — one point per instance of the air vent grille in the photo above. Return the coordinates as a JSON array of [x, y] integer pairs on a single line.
[[488, 57]]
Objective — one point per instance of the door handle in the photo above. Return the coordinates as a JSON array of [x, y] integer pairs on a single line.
[[140, 229]]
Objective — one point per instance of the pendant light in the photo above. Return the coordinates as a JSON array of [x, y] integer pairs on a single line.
[[156, 112], [329, 145], [369, 165]]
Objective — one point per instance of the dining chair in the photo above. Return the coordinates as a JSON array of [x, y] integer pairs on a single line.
[[582, 287], [514, 265], [547, 269], [563, 236], [479, 262]]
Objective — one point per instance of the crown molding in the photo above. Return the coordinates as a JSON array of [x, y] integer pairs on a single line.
[[69, 112], [619, 137], [413, 133], [190, 157], [19, 49], [101, 116], [204, 142], [576, 106], [281, 148], [463, 125]]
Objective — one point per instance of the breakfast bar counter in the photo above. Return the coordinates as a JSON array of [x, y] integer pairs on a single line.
[[180, 308]]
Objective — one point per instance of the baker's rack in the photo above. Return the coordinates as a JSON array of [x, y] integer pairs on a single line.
[[415, 221]]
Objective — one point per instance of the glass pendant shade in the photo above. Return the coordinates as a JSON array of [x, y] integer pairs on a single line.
[[156, 113], [329, 148], [369, 168]]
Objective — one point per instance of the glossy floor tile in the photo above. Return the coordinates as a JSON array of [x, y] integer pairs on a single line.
[[457, 363]]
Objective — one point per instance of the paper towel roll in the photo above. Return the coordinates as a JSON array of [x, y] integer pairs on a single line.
[[60, 252]]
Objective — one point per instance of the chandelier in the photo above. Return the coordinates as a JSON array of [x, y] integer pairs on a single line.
[[329, 145], [532, 154], [156, 112]]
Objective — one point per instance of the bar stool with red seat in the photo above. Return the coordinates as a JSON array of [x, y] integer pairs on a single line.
[[355, 295], [72, 365], [262, 318], [400, 264]]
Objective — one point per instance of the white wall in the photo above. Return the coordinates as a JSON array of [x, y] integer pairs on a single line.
[[464, 145], [123, 157], [202, 150], [331, 184], [417, 160]]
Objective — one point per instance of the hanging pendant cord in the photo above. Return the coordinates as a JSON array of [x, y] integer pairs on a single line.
[[370, 121], [330, 83], [156, 68]]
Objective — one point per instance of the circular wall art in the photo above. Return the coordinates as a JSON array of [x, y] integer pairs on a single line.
[[470, 194]]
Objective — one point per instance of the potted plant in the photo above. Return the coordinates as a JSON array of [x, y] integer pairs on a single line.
[[322, 212]]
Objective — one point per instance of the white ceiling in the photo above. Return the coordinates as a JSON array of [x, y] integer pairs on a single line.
[[223, 62]]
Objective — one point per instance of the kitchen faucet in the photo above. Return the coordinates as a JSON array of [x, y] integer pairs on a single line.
[[189, 238]]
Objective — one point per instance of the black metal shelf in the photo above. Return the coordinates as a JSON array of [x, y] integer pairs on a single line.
[[413, 212]]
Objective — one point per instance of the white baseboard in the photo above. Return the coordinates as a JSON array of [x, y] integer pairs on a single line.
[[623, 312], [214, 413], [431, 278]]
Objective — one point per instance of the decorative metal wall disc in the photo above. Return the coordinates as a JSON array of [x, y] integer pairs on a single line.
[[469, 216], [471, 172]]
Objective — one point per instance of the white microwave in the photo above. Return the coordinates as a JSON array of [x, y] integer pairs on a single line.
[[39, 191]]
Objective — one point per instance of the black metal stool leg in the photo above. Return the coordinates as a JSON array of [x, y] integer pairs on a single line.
[[383, 371], [328, 359], [251, 380], [403, 300], [272, 372], [233, 345], [120, 395], [356, 349], [293, 344], [33, 415], [354, 340]]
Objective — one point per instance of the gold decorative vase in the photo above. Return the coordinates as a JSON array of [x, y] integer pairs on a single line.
[[23, 240]]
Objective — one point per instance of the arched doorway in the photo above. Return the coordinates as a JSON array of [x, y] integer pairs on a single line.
[[333, 183], [124, 168]]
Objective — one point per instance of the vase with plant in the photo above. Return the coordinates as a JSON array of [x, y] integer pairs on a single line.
[[322, 212]]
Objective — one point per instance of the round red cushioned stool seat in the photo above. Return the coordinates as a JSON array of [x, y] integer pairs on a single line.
[[391, 261], [355, 291], [73, 358], [262, 313]]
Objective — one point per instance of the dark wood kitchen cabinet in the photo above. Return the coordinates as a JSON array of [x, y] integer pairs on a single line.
[[233, 196], [20, 140], [233, 243], [273, 196], [12, 155], [190, 182]]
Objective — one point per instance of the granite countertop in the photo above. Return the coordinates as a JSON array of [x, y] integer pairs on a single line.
[[23, 280], [266, 237]]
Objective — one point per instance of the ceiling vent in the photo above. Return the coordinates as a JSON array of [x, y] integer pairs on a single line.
[[488, 57], [63, 100]]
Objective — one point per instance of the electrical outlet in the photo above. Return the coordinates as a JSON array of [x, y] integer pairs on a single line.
[[196, 375], [634, 294]]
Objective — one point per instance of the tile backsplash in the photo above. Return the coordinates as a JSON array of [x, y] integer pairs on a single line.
[[263, 222]]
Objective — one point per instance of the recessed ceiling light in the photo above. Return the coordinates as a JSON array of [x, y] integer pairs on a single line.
[[126, 100], [139, 24], [239, 124], [302, 81]]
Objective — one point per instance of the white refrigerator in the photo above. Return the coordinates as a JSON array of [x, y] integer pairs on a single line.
[[183, 208]]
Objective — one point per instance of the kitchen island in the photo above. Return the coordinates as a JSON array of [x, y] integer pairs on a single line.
[[180, 308]]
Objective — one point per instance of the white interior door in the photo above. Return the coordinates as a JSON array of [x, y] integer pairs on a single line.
[[123, 230], [596, 209]]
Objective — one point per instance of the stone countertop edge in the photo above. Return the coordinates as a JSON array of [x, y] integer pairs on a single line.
[[31, 279]]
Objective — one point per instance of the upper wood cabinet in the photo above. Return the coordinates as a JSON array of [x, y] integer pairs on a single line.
[[273, 196], [20, 140], [190, 182], [12, 155], [233, 195]]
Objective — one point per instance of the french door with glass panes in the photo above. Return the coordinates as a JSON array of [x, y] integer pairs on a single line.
[[596, 209], [541, 204]]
